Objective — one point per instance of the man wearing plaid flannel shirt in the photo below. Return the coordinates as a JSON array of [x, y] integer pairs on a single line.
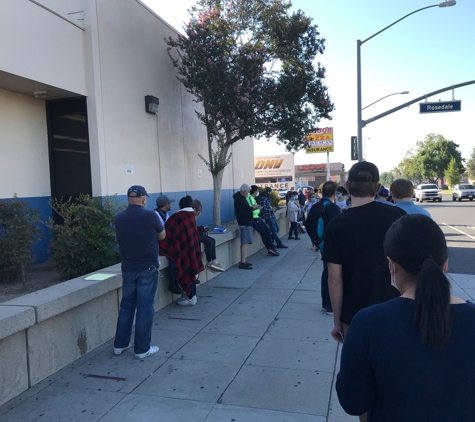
[[267, 213]]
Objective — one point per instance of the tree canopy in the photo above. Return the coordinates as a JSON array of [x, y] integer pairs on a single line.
[[435, 154], [452, 174], [431, 160], [252, 65], [470, 165]]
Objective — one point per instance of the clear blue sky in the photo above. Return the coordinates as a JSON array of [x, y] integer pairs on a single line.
[[427, 51]]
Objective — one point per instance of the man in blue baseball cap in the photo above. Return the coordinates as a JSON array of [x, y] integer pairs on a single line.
[[138, 232]]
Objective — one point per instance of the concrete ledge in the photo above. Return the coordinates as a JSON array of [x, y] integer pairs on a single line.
[[44, 331], [62, 297], [15, 319]]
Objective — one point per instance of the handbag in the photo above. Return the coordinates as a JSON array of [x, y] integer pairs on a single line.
[[175, 288]]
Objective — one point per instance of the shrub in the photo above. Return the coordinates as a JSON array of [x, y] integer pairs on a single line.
[[274, 199], [19, 231], [85, 241]]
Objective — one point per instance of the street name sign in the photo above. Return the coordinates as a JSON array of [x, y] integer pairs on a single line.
[[440, 107]]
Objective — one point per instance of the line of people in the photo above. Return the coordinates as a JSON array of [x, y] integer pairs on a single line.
[[251, 215], [408, 346], [142, 236]]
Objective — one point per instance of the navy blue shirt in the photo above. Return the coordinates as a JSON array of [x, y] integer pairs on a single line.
[[137, 235], [387, 372]]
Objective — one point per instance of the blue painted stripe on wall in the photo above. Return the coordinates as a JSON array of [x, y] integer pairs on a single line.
[[40, 249], [206, 198]]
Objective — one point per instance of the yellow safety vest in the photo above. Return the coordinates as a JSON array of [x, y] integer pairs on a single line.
[[251, 200]]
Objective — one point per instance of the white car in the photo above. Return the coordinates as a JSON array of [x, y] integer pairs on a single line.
[[427, 192], [463, 191]]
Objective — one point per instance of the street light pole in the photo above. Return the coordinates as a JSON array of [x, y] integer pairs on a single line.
[[360, 122], [386, 96]]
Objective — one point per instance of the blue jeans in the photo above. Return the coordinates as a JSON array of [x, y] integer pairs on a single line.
[[138, 293], [293, 228], [326, 302], [274, 230], [264, 231]]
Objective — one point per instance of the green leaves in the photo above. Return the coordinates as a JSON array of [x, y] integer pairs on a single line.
[[470, 165], [19, 231], [431, 159], [252, 65], [85, 241], [453, 174]]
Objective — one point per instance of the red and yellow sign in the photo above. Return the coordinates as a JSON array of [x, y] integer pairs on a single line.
[[319, 141]]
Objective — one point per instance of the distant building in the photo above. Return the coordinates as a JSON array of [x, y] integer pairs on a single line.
[[316, 174]]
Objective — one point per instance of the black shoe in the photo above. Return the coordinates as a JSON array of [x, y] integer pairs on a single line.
[[297, 238], [245, 266], [290, 238], [249, 263], [282, 247], [273, 252]]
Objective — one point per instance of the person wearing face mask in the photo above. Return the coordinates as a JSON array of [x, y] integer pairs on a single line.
[[412, 358], [341, 198], [267, 213], [183, 248], [208, 241], [164, 205], [312, 200], [258, 223], [293, 210]]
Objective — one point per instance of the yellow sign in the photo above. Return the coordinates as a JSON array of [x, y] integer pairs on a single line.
[[319, 137], [314, 150], [319, 141]]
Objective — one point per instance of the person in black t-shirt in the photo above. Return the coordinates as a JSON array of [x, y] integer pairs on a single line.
[[358, 273], [358, 270]]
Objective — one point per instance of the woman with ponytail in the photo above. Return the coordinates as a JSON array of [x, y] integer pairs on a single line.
[[412, 358]]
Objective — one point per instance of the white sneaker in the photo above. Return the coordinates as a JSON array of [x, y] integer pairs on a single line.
[[184, 301], [118, 351], [216, 267], [151, 351]]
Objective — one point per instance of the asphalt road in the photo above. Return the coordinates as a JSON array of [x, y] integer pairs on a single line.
[[457, 221]]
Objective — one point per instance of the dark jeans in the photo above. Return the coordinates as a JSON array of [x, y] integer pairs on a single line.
[[274, 230], [264, 231], [293, 228], [172, 276], [326, 302], [138, 294], [210, 247]]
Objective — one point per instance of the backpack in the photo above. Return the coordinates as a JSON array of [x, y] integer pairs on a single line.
[[320, 227]]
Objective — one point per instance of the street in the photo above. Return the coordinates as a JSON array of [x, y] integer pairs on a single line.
[[457, 221]]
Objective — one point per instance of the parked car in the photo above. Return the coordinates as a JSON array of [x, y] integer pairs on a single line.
[[463, 192], [282, 193], [427, 192], [308, 187]]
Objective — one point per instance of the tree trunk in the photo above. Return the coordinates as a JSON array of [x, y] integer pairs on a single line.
[[217, 183]]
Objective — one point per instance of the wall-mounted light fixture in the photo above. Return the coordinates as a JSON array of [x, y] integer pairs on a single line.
[[151, 104]]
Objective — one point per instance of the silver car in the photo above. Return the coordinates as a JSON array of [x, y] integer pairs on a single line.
[[463, 192]]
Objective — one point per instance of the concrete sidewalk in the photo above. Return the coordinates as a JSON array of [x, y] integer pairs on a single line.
[[255, 348]]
